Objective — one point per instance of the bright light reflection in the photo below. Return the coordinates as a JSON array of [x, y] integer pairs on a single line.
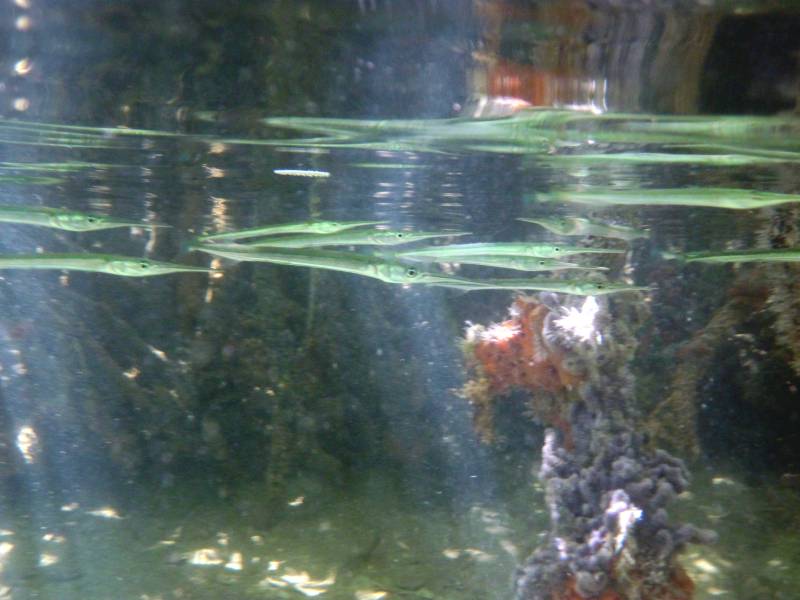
[[5, 552], [23, 67], [302, 582], [214, 172], [46, 559], [106, 512], [205, 557], [132, 373], [235, 562], [479, 555], [23, 23], [705, 566], [370, 594], [219, 212], [19, 368], [28, 443], [159, 354]]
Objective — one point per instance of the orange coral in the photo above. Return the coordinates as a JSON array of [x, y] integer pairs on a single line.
[[679, 587], [514, 355], [682, 585], [570, 593]]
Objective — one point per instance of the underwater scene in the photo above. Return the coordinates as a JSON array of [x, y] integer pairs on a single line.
[[425, 299]]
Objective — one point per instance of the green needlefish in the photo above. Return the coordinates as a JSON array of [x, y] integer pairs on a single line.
[[563, 286], [662, 158], [730, 198], [521, 263], [583, 226], [68, 220], [376, 267], [740, 256], [125, 266], [387, 165], [454, 252], [377, 237], [319, 227]]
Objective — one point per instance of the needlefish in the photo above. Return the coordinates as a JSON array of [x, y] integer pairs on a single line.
[[378, 237], [563, 286], [730, 198], [318, 227], [456, 251], [520, 263], [124, 266], [64, 219], [583, 226], [376, 267], [740, 256]]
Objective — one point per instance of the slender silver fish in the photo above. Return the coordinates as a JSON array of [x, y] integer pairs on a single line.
[[520, 263], [740, 256], [583, 226], [456, 251], [302, 227], [730, 198], [68, 220], [377, 237], [376, 267], [564, 286], [125, 266]]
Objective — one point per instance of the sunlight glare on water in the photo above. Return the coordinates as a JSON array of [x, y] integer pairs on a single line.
[[452, 300]]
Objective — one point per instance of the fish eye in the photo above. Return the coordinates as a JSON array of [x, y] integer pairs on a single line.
[[399, 235], [412, 272], [144, 265], [91, 219], [599, 286], [557, 249], [541, 263]]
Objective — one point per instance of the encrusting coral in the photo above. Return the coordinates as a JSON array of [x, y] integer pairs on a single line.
[[772, 287], [781, 231], [673, 421], [516, 355], [606, 489]]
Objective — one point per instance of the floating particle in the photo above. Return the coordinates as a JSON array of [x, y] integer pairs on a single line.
[[302, 173]]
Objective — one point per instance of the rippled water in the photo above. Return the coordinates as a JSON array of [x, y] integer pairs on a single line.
[[274, 431]]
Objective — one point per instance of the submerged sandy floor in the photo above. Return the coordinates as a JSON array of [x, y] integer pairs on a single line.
[[367, 543]]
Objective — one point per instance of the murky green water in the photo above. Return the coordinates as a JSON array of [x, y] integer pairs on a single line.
[[300, 423]]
